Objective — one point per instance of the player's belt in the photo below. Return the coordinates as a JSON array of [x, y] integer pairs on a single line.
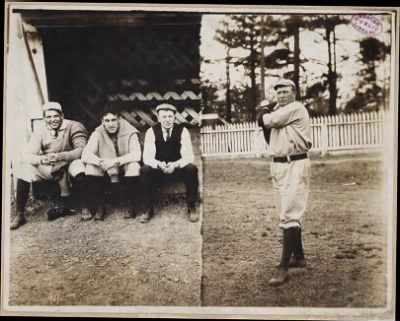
[[289, 158]]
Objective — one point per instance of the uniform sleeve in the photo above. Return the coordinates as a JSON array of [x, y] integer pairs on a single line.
[[135, 152], [186, 149], [34, 149], [282, 116], [149, 149], [79, 136], [90, 152]]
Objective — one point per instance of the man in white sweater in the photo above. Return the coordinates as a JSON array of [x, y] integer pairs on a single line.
[[112, 153]]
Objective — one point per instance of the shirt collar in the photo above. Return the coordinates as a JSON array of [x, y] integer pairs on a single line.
[[55, 133], [165, 130]]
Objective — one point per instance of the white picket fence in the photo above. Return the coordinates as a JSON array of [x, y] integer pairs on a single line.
[[328, 133]]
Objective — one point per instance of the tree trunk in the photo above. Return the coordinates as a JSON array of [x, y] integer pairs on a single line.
[[228, 89], [262, 62], [253, 95], [334, 50], [296, 61], [331, 74]]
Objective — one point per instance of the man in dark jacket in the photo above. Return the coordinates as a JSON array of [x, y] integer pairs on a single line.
[[168, 150]]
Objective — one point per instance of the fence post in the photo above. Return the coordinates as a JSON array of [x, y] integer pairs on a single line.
[[324, 139], [257, 142]]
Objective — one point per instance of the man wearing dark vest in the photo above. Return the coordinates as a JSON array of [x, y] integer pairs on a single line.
[[168, 150]]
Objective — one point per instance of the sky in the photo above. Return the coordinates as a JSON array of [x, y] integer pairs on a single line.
[[312, 46]]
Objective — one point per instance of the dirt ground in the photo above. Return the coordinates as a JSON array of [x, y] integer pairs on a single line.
[[344, 236], [114, 262]]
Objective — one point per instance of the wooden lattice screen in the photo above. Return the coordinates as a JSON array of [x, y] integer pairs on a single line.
[[135, 67]]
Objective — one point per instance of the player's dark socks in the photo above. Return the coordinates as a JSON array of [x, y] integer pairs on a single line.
[[132, 190], [79, 180], [191, 180], [80, 186], [23, 188], [66, 203], [95, 192], [148, 181], [116, 191], [289, 241], [298, 251]]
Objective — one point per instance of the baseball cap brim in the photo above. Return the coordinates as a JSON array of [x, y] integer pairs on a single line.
[[166, 107], [52, 105], [284, 83]]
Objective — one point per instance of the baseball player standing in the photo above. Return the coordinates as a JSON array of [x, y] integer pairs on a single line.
[[287, 127]]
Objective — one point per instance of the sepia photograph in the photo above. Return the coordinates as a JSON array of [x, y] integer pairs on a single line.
[[199, 161]]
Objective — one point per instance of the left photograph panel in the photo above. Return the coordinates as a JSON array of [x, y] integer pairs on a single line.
[[101, 158]]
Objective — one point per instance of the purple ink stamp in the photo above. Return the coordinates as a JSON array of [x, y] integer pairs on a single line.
[[367, 24]]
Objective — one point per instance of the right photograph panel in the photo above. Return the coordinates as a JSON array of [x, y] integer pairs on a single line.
[[297, 149]]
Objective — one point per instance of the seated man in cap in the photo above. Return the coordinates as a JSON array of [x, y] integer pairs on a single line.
[[113, 150], [53, 153], [168, 150]]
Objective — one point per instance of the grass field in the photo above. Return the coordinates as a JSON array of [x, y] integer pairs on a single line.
[[344, 236]]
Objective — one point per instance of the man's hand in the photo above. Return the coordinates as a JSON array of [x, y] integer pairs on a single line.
[[162, 166], [45, 160], [170, 168], [53, 158], [106, 164], [102, 165]]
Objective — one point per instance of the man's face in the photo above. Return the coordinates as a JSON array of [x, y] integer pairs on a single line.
[[111, 123], [285, 95], [53, 119], [166, 118]]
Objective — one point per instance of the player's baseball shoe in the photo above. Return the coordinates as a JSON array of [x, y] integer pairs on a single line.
[[281, 276]]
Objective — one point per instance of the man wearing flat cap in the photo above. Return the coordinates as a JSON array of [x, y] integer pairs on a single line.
[[168, 150], [53, 153], [288, 124]]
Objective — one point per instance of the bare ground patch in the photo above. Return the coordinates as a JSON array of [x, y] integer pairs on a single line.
[[114, 262]]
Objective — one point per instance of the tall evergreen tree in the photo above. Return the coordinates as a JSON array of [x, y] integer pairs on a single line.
[[328, 23], [245, 34]]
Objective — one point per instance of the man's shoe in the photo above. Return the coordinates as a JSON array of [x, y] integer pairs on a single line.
[[281, 276], [18, 220], [193, 214], [54, 213], [146, 216], [295, 263], [130, 214], [99, 214], [86, 215], [58, 212], [67, 211]]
